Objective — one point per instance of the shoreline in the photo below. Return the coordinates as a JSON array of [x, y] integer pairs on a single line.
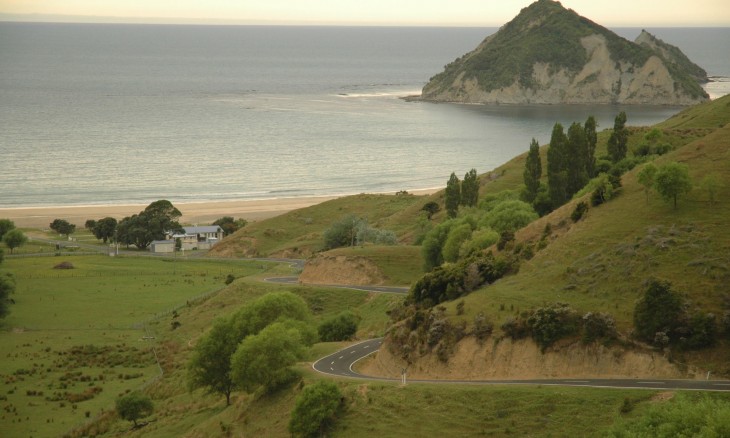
[[193, 212]]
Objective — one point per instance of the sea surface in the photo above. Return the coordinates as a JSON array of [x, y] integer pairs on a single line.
[[117, 114]]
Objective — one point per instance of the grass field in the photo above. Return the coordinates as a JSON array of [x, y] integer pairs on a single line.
[[74, 339]]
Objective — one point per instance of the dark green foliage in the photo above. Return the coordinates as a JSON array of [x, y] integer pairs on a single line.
[[230, 278], [431, 208], [14, 239], [542, 203], [150, 224], [672, 180], [598, 326], [576, 158], [89, 224], [482, 327], [703, 331], [2, 255], [230, 225], [533, 172], [591, 141], [556, 167], [686, 415], [580, 210], [62, 226], [505, 238], [660, 309], [134, 406], [343, 232], [449, 282], [341, 327], [5, 226], [316, 409], [548, 324], [618, 141], [470, 189], [7, 287], [604, 190], [452, 195], [104, 229]]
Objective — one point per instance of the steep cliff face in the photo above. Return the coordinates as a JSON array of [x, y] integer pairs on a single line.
[[672, 55], [551, 55]]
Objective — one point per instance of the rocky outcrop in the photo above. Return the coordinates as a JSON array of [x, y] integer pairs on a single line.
[[672, 55], [550, 55], [523, 359]]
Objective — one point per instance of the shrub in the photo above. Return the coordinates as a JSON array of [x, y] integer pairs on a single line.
[[431, 208], [64, 265], [338, 328], [598, 326], [579, 211], [482, 327], [703, 331], [134, 406], [548, 324], [316, 409], [515, 328], [660, 309], [229, 279]]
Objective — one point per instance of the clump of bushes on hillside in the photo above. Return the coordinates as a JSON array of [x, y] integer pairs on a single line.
[[662, 317], [352, 230], [546, 325], [340, 327], [450, 281], [420, 331]]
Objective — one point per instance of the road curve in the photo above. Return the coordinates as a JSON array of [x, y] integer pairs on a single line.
[[341, 364]]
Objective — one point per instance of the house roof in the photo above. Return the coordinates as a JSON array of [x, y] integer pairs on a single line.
[[203, 229]]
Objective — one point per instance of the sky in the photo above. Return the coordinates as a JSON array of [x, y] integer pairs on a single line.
[[615, 13]]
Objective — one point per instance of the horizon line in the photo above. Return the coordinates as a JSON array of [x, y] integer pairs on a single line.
[[101, 19]]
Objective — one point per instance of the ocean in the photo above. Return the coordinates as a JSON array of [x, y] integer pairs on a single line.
[[119, 114]]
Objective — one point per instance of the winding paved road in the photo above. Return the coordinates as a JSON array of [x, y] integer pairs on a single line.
[[341, 364]]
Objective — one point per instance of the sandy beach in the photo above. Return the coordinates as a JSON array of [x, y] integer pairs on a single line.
[[193, 212]]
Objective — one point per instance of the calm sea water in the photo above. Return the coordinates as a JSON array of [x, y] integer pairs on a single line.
[[103, 114]]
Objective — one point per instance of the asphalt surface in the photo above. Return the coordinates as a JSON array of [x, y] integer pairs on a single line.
[[341, 364]]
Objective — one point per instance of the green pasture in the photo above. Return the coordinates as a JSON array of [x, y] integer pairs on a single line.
[[77, 338]]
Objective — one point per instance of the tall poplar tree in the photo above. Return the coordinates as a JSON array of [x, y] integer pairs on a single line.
[[556, 167], [618, 142], [470, 189], [452, 195], [592, 139], [533, 171], [576, 157]]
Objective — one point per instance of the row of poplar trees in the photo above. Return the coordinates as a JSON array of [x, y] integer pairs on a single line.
[[464, 193], [571, 159]]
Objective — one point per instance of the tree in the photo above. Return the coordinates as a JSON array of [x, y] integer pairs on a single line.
[[62, 226], [591, 141], [5, 226], [618, 141], [230, 225], [510, 215], [151, 224], [14, 239], [710, 183], [660, 309], [263, 360], [210, 365], [343, 232], [7, 287], [452, 195], [457, 236], [134, 406], [90, 224], [556, 167], [340, 327], [470, 189], [672, 180], [433, 243], [533, 171], [576, 156], [646, 178], [105, 229], [431, 208], [315, 409]]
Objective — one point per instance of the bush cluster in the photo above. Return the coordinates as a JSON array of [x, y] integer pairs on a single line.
[[341, 327]]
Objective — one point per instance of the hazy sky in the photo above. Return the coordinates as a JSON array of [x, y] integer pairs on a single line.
[[373, 12]]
